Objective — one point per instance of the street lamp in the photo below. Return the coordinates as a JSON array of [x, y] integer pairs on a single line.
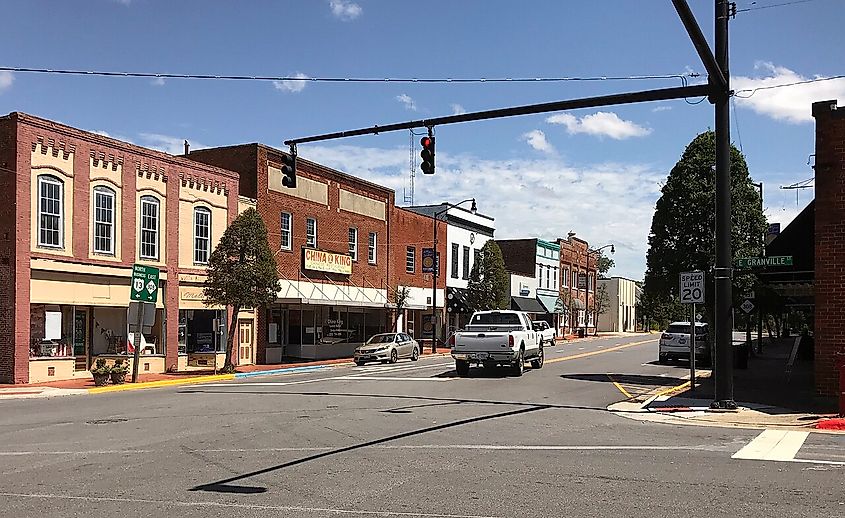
[[473, 209], [595, 285]]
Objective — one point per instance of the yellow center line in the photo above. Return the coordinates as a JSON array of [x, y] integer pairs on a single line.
[[593, 353]]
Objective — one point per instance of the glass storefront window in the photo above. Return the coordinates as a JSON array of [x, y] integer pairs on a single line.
[[204, 330]]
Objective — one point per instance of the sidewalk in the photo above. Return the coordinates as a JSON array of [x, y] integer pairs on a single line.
[[769, 395]]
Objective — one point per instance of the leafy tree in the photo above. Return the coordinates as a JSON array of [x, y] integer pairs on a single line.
[[682, 236], [600, 305], [488, 280], [604, 263], [241, 272]]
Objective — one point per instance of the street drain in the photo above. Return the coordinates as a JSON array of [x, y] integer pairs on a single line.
[[107, 421]]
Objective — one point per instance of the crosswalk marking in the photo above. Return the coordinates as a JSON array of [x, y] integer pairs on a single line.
[[774, 445]]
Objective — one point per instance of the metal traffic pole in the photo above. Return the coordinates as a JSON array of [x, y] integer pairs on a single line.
[[136, 359], [692, 351]]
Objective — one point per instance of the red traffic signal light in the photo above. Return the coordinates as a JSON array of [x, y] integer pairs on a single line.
[[427, 155]]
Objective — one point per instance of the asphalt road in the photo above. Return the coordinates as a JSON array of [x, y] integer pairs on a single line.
[[404, 440]]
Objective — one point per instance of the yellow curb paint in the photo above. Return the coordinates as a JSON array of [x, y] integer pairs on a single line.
[[620, 387], [593, 353], [160, 383], [671, 390]]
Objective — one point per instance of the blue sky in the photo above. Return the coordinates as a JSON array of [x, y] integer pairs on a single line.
[[596, 172]]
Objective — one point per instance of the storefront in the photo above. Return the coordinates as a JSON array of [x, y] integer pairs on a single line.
[[203, 330], [317, 331]]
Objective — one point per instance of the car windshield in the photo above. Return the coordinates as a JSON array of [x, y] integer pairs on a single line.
[[681, 329], [381, 339], [495, 318]]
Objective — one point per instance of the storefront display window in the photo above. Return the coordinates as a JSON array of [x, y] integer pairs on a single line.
[[202, 330]]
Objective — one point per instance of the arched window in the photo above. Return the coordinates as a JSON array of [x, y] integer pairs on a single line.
[[149, 227], [51, 230], [104, 220], [202, 235]]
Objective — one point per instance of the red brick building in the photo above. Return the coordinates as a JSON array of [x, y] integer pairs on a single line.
[[577, 283], [78, 210], [330, 236], [829, 282]]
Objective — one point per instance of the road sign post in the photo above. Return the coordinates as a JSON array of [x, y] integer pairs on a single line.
[[692, 292], [143, 288]]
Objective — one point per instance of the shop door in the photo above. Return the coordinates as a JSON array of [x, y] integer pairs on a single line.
[[245, 343], [80, 339]]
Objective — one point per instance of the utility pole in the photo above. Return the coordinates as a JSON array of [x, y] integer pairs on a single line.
[[724, 395]]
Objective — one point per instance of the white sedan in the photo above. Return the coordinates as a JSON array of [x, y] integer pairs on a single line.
[[387, 347]]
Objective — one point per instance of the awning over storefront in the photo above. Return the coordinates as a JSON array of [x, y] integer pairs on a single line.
[[527, 304], [456, 300], [578, 304], [550, 302]]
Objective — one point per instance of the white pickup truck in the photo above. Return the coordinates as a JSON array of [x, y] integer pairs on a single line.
[[497, 337]]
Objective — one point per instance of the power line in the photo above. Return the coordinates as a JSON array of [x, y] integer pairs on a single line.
[[747, 9], [796, 83], [162, 75], [736, 123]]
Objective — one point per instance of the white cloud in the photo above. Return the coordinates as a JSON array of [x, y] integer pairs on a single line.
[[167, 143], [661, 108], [124, 2], [457, 109], [407, 101], [537, 140], [159, 81], [792, 103], [519, 186], [292, 85], [6, 80], [345, 10], [602, 124]]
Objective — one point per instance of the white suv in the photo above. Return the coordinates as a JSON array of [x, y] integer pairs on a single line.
[[674, 343]]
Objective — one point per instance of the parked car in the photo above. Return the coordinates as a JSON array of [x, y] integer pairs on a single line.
[[547, 334], [494, 338], [674, 343], [387, 347]]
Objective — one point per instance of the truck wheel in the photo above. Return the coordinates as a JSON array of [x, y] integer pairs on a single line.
[[462, 367], [537, 363], [662, 358], [518, 366]]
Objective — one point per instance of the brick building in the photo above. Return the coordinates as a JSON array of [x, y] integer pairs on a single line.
[[829, 245], [330, 239], [78, 210], [577, 283]]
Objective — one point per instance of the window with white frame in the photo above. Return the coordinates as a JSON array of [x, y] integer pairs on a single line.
[[564, 278], [149, 227], [540, 275], [455, 251], [548, 277], [371, 248], [411, 259], [202, 235], [465, 276], [287, 231], [554, 278], [104, 199], [353, 243], [311, 232], [50, 211], [574, 279], [590, 282]]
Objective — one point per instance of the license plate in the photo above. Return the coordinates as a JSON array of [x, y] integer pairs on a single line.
[[482, 356]]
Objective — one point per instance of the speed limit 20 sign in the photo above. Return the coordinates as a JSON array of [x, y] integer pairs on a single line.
[[692, 288]]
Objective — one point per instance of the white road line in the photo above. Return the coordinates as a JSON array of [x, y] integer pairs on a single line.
[[210, 504], [774, 445], [386, 378]]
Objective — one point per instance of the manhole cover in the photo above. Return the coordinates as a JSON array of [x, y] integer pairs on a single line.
[[107, 421]]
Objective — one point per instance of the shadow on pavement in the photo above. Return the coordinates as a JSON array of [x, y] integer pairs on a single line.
[[226, 486], [627, 379]]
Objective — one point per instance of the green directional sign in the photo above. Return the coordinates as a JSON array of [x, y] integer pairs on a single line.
[[144, 285], [763, 262]]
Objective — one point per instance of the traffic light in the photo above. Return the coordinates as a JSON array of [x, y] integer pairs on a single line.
[[427, 155], [289, 170]]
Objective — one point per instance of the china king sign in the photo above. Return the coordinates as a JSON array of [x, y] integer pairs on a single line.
[[327, 262]]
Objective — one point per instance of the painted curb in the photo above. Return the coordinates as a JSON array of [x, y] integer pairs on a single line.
[[240, 375], [160, 383]]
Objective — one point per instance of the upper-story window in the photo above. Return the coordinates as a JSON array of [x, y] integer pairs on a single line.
[[574, 279], [311, 232], [590, 282], [149, 227], [455, 251], [287, 230], [564, 277], [50, 212], [410, 259], [466, 263], [202, 235], [104, 199], [371, 248], [353, 243], [554, 278], [540, 275]]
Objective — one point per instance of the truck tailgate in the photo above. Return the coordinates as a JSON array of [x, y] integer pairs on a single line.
[[483, 339]]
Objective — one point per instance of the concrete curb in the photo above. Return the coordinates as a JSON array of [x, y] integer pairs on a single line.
[[160, 383]]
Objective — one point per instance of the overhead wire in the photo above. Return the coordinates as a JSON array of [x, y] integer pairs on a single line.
[[753, 91], [783, 4]]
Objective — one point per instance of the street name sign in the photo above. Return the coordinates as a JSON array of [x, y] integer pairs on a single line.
[[763, 262], [144, 286], [692, 288]]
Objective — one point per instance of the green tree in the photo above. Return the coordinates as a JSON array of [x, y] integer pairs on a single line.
[[488, 280], [601, 304], [604, 263], [241, 272], [400, 299], [682, 236]]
